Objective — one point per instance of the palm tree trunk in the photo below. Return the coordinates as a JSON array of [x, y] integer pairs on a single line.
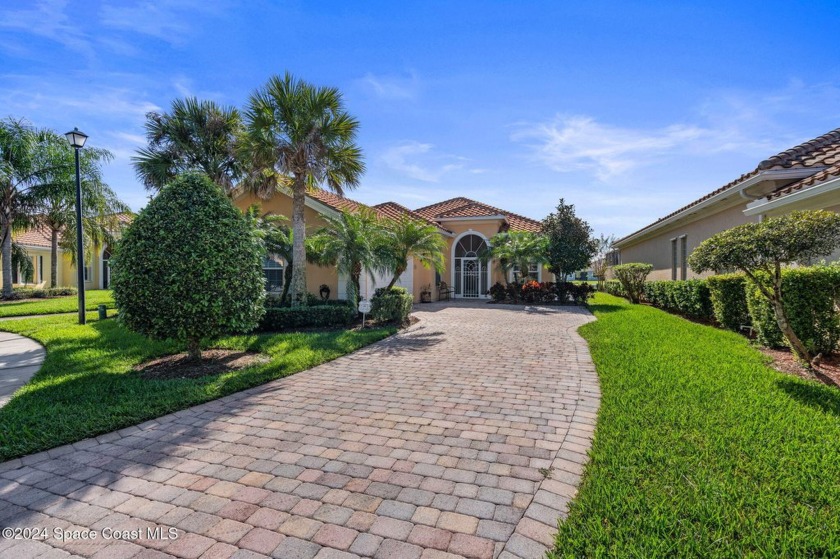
[[355, 278], [298, 287], [287, 279], [53, 258], [397, 273], [7, 258]]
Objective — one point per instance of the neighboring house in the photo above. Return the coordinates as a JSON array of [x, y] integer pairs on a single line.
[[804, 177], [466, 225], [37, 242]]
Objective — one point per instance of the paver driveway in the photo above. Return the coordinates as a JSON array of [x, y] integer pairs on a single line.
[[433, 443]]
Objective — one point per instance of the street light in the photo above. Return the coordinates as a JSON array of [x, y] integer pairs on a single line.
[[77, 141]]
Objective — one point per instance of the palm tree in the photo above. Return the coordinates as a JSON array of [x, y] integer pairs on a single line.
[[56, 200], [194, 136], [351, 241], [407, 238], [22, 171], [277, 238], [516, 251], [299, 136]]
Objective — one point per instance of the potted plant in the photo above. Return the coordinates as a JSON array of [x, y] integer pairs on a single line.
[[426, 294], [324, 291]]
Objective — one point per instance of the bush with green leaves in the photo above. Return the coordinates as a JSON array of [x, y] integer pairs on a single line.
[[189, 267], [326, 314], [811, 296], [729, 300], [391, 305], [42, 292], [614, 287], [632, 277], [687, 297]]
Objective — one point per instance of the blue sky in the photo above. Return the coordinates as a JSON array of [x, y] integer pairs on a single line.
[[626, 109]]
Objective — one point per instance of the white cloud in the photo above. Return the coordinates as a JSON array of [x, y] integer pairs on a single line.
[[169, 20], [391, 87], [418, 161], [48, 19]]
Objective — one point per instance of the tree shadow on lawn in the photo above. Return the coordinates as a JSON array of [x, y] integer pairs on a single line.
[[819, 396]]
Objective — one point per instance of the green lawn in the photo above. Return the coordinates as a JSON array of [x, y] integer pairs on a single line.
[[701, 450], [57, 304], [86, 386]]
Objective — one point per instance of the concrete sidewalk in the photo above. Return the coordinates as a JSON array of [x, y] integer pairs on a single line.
[[20, 358]]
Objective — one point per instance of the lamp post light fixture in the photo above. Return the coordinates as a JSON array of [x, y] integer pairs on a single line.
[[77, 141]]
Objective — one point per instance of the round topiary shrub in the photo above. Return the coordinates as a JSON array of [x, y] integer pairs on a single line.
[[189, 267]]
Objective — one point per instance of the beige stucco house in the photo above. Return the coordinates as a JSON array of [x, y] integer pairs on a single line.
[[466, 225], [38, 242], [804, 177]]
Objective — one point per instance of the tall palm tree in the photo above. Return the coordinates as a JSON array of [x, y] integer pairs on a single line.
[[299, 136], [193, 136], [516, 251], [22, 171], [56, 200], [277, 237], [408, 238], [351, 241]]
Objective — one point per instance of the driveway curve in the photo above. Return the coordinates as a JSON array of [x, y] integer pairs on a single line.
[[463, 436], [20, 358]]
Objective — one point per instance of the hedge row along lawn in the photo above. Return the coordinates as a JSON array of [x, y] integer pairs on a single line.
[[57, 305], [86, 386], [701, 450]]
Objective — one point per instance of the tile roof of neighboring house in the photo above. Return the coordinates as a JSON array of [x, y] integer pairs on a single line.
[[335, 201], [464, 207], [822, 150], [38, 236], [815, 179], [396, 211]]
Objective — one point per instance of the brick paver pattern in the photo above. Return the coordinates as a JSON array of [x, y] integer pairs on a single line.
[[463, 436]]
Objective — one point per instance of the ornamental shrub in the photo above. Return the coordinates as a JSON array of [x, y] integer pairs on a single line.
[[687, 297], [498, 292], [729, 300], [632, 278], [613, 287], [334, 314], [811, 296], [189, 267], [393, 305], [41, 292]]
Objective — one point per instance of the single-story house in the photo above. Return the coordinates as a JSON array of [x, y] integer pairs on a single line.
[[38, 242], [467, 226], [805, 177]]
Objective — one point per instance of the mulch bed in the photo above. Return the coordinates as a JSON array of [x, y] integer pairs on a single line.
[[784, 361], [213, 361]]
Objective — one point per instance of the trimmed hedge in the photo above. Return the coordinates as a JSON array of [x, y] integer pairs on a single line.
[[729, 300], [632, 277], [688, 297], [811, 296], [614, 287], [331, 314], [42, 293], [392, 306]]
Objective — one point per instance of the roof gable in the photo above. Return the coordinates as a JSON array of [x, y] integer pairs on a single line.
[[467, 208]]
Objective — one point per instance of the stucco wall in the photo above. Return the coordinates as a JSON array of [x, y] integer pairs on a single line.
[[656, 250]]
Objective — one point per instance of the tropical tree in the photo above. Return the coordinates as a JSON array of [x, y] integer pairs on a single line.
[[191, 253], [56, 200], [407, 238], [352, 242], [516, 252], [193, 136], [570, 243], [276, 236], [762, 249], [22, 172], [299, 137]]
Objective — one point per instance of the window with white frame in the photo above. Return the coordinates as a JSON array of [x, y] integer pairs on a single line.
[[273, 271], [533, 272]]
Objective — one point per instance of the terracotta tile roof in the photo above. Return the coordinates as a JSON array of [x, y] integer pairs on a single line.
[[38, 236], [815, 179], [335, 201], [464, 207], [396, 211], [822, 150]]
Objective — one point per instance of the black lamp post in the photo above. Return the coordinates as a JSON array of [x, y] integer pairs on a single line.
[[77, 140]]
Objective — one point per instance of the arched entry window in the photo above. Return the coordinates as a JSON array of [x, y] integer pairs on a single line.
[[106, 270], [470, 272]]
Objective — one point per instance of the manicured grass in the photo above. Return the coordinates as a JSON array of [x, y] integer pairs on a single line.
[[701, 450], [57, 305], [87, 387]]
